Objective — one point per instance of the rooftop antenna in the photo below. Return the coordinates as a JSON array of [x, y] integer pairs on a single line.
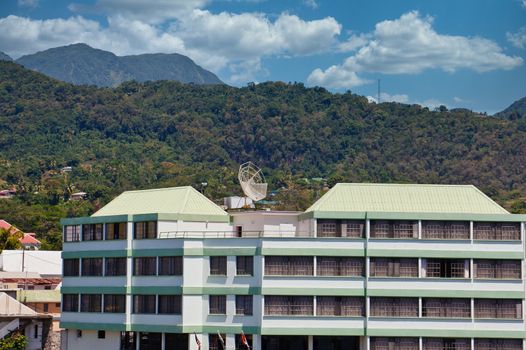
[[252, 181], [378, 91]]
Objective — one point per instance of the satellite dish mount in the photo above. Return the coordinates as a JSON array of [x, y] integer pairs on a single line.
[[252, 181]]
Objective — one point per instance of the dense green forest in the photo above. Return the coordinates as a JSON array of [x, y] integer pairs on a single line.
[[157, 134]]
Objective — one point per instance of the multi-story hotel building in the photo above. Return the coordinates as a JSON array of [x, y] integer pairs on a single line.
[[366, 267]]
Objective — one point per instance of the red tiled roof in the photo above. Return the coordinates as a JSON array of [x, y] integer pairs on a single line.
[[28, 239], [5, 225]]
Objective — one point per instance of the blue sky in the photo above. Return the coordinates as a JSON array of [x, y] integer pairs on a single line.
[[468, 53]]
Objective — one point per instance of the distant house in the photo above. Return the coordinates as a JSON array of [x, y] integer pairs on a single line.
[[78, 196], [66, 169], [16, 317], [28, 240], [7, 194]]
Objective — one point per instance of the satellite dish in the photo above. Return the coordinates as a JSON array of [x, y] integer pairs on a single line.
[[252, 181]]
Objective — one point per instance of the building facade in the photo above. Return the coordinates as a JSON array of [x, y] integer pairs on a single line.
[[368, 266]]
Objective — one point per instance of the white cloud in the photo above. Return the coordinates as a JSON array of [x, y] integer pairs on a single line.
[[314, 5], [431, 103], [457, 99], [354, 42], [234, 42], [385, 97], [517, 39], [409, 45], [151, 11], [524, 3], [28, 3]]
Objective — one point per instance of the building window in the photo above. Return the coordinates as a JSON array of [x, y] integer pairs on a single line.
[[340, 306], [289, 265], [92, 232], [244, 305], [144, 304], [218, 265], [507, 231], [145, 230], [115, 303], [240, 341], [217, 304], [394, 229], [116, 230], [340, 228], [445, 230], [445, 268], [90, 302], [394, 307], [498, 308], [498, 344], [46, 307], [405, 343], [35, 332], [79, 333], [70, 302], [71, 233], [216, 341], [170, 304], [71, 267], [340, 266], [393, 267], [245, 265], [91, 266], [170, 266], [289, 305], [146, 266], [446, 344], [497, 269], [446, 307], [128, 341], [115, 266], [101, 334]]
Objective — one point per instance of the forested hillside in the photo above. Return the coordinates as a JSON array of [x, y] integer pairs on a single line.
[[167, 133]]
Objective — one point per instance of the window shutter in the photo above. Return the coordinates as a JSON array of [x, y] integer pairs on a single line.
[[415, 230], [396, 268], [424, 268], [466, 268]]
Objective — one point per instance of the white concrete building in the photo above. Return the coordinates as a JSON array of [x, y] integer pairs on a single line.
[[368, 266]]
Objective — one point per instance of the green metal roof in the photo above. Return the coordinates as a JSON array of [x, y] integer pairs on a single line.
[[406, 198], [38, 296], [175, 201]]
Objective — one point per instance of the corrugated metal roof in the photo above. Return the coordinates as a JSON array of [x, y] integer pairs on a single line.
[[406, 198], [175, 200]]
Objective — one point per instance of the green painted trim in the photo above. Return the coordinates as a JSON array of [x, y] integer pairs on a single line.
[[145, 217], [444, 293], [93, 290], [314, 291], [348, 215], [161, 290], [412, 216], [312, 331], [94, 326], [193, 217], [313, 251], [446, 333], [221, 290], [134, 327], [414, 253], [95, 220], [222, 329], [206, 251], [94, 254], [155, 252]]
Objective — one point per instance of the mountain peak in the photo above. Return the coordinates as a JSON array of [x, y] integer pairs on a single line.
[[82, 64], [515, 111], [5, 57]]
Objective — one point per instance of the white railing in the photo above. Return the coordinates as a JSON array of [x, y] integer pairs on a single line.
[[233, 234]]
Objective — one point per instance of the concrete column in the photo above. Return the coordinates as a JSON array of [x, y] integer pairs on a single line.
[[419, 229], [129, 274], [310, 343], [471, 231], [421, 345], [163, 341], [138, 341], [419, 307], [256, 342], [230, 341]]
